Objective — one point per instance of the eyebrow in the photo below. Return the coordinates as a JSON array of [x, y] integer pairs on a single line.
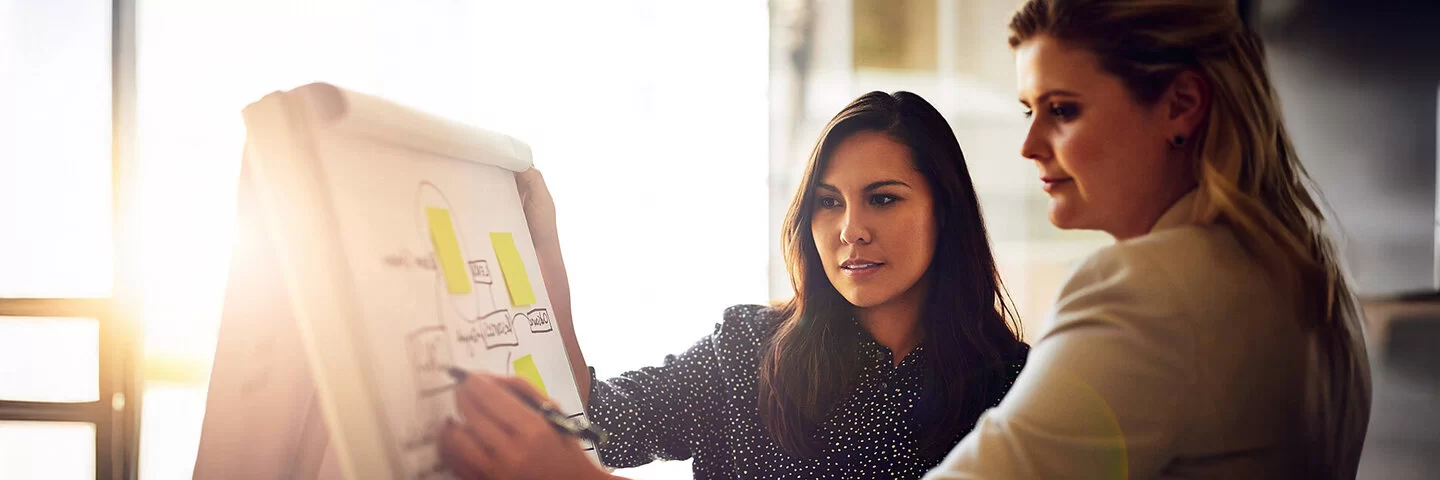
[[1048, 94], [868, 188]]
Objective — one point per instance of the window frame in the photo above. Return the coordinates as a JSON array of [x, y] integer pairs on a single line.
[[116, 412]]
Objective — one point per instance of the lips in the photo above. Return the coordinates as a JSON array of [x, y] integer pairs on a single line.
[[1052, 183], [860, 267]]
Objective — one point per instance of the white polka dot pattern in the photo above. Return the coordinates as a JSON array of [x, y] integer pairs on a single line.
[[702, 404]]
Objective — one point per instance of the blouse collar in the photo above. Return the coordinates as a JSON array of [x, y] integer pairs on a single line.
[[1179, 213], [871, 350]]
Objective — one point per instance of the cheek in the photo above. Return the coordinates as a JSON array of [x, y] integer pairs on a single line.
[[822, 232], [1107, 147], [927, 235], [918, 233], [1081, 150]]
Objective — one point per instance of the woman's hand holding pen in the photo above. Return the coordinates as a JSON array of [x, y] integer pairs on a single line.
[[503, 438]]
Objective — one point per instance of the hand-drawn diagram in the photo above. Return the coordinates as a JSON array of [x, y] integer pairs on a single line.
[[480, 272], [465, 280], [430, 356], [492, 330], [457, 268], [539, 320], [474, 320]]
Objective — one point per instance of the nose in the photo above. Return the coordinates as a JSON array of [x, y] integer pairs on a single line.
[[855, 231], [1035, 147]]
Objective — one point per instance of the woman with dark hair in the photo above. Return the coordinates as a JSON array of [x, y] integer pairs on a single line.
[[899, 335]]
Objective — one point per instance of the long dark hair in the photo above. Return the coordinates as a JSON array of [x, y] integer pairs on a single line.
[[810, 363]]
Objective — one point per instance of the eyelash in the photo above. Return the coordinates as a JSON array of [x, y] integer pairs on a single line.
[[879, 200], [1062, 111]]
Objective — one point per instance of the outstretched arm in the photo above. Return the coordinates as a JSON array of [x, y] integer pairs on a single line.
[[540, 214]]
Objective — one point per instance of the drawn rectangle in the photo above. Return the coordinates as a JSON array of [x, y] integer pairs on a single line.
[[429, 351], [447, 249], [480, 269], [539, 320]]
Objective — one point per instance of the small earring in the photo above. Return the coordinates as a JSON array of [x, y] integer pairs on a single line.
[[1179, 140]]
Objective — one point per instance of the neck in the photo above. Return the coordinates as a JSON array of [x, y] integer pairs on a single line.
[[1148, 219], [895, 324]]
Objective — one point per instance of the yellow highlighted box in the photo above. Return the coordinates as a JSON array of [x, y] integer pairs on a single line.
[[447, 250], [517, 280], [525, 368]]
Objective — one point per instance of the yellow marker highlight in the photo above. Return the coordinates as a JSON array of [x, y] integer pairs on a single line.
[[525, 368], [517, 280], [447, 250]]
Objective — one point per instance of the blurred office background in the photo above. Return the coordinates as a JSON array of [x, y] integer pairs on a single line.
[[671, 133]]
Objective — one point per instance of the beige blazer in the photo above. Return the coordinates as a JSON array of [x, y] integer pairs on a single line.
[[1166, 356]]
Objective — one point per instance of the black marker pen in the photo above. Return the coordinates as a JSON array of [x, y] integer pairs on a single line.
[[565, 425]]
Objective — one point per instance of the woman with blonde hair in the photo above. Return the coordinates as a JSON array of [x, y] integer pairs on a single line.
[[1218, 337]]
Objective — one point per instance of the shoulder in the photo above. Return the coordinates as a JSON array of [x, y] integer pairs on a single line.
[[1016, 360], [1015, 363], [1161, 288], [745, 327], [1172, 270], [1189, 248], [1003, 381]]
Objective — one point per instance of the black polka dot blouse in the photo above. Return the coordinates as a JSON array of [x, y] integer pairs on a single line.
[[702, 405]]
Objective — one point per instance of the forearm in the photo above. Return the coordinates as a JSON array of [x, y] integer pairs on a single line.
[[557, 284]]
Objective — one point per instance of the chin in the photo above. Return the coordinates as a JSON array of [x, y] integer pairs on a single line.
[[863, 298], [1063, 215]]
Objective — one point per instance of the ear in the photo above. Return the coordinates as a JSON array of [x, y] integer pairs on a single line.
[[1186, 102]]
